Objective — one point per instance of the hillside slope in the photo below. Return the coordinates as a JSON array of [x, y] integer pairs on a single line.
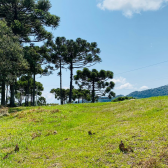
[[58, 136], [160, 91]]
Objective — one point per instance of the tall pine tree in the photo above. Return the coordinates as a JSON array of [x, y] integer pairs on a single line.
[[28, 19], [12, 62]]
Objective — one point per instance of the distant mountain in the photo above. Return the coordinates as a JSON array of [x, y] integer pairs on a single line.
[[160, 91]]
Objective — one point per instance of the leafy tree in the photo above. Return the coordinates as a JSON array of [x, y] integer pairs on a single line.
[[96, 82], [26, 83], [81, 94], [65, 94], [11, 59], [79, 54], [19, 97], [58, 95], [28, 19], [76, 54], [41, 101], [86, 95], [77, 94], [35, 57]]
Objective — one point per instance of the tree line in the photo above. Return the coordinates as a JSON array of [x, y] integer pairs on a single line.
[[23, 24]]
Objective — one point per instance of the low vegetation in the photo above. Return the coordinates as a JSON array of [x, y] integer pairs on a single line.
[[87, 135], [122, 99]]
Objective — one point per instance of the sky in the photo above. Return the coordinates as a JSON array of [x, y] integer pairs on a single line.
[[131, 34]]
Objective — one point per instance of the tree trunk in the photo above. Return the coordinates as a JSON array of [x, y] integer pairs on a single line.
[[93, 91], [7, 94], [12, 99], [20, 98], [61, 84], [31, 97], [3, 93], [34, 89], [71, 75], [25, 101], [28, 90]]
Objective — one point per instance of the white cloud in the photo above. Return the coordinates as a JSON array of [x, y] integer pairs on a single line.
[[143, 88], [129, 7], [125, 86], [50, 98], [121, 83], [119, 80]]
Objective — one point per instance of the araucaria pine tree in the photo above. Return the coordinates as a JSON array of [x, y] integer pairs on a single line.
[[12, 62], [96, 81], [28, 20], [77, 54], [55, 52]]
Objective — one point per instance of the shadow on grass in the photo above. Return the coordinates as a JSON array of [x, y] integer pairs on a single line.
[[18, 109]]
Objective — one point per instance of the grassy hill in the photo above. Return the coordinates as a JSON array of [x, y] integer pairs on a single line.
[[58, 136]]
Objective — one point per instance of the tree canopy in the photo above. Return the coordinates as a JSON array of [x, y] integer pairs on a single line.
[[12, 62], [57, 93], [76, 54], [96, 81], [25, 21], [28, 18]]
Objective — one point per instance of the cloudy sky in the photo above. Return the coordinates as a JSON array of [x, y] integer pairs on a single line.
[[132, 36]]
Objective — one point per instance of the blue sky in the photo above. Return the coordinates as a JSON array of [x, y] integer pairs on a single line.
[[130, 34]]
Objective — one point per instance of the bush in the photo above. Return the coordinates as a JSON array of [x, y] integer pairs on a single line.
[[122, 99]]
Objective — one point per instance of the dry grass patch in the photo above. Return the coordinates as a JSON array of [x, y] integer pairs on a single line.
[[35, 135], [51, 133], [4, 111], [150, 163], [55, 111]]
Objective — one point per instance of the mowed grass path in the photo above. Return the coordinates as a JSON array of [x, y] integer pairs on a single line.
[[58, 136]]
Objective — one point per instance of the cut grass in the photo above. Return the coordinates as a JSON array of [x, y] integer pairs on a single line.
[[58, 136]]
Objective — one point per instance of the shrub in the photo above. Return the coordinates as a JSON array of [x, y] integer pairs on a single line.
[[122, 99]]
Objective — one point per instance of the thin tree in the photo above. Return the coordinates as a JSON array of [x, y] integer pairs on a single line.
[[56, 51], [22, 83], [77, 54], [36, 59]]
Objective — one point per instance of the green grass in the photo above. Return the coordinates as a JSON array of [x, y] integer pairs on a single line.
[[57, 136]]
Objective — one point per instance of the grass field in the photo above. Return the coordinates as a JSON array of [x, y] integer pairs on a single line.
[[58, 136]]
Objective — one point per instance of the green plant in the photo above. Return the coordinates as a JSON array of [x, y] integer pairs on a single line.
[[122, 99]]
